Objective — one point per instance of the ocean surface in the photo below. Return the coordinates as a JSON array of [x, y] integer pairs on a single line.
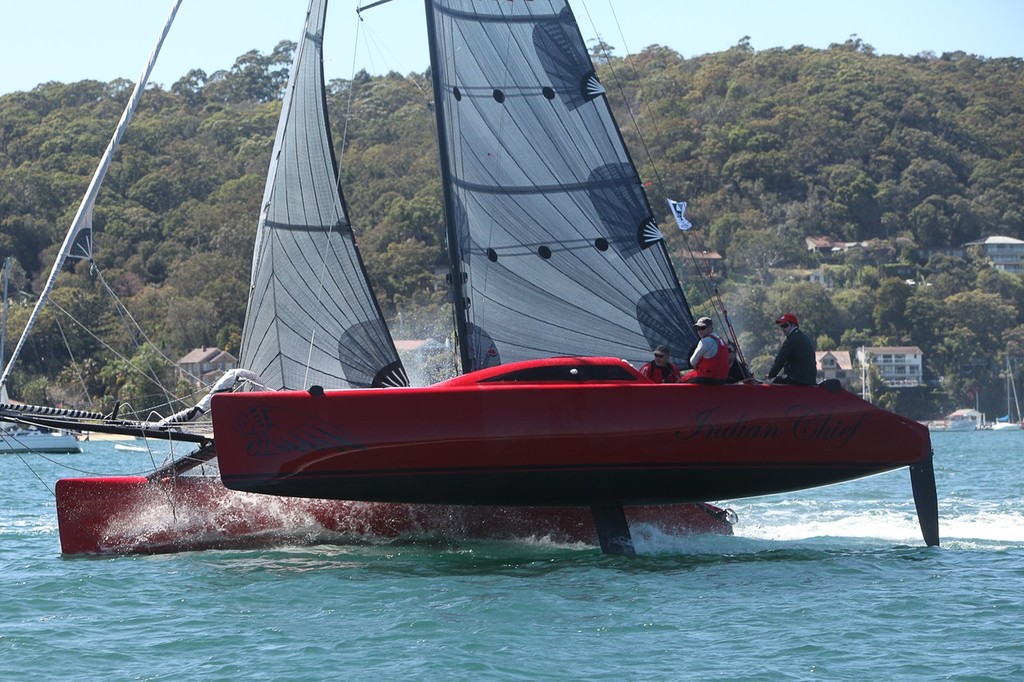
[[831, 584]]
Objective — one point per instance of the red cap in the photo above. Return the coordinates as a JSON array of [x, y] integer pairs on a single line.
[[788, 318]]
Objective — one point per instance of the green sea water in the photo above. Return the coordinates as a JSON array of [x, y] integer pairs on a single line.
[[829, 584]]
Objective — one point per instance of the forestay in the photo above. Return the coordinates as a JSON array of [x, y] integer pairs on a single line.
[[554, 248], [311, 317]]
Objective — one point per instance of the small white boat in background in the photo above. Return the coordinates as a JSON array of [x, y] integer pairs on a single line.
[[129, 448], [960, 420], [16, 440]]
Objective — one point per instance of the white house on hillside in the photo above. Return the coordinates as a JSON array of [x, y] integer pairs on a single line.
[[834, 364], [899, 366], [205, 365], [1006, 253]]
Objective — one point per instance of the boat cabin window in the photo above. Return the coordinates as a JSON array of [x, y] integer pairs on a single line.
[[566, 373]]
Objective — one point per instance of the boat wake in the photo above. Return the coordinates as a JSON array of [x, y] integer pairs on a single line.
[[985, 529], [963, 530]]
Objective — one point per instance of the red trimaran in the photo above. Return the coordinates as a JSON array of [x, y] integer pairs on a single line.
[[332, 334], [553, 251], [553, 248]]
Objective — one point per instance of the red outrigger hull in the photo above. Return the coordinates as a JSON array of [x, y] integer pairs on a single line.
[[498, 437], [133, 515]]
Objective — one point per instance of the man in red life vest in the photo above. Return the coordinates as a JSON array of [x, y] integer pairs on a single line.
[[710, 359], [661, 370]]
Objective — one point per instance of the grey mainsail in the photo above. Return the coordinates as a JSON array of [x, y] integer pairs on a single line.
[[554, 248], [311, 317]]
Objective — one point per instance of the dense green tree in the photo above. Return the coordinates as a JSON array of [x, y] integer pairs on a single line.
[[923, 319], [890, 309], [768, 147], [947, 275], [757, 252], [855, 306]]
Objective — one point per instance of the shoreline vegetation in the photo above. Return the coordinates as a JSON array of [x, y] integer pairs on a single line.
[[905, 158]]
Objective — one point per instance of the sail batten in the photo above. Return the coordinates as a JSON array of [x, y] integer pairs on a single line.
[[496, 187], [311, 317], [499, 18], [553, 246]]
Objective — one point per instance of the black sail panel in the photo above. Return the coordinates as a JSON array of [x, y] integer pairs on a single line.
[[311, 317], [550, 234], [564, 59]]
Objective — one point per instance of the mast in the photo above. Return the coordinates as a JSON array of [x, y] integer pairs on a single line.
[[455, 272], [1011, 385], [1007, 385], [83, 218]]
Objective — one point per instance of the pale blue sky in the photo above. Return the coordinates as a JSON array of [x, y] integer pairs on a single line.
[[70, 40]]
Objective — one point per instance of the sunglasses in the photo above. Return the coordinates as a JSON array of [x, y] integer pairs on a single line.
[[786, 325], [659, 355]]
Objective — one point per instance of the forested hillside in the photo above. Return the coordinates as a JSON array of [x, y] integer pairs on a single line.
[[767, 147]]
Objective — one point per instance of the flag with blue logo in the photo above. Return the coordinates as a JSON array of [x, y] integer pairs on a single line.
[[679, 213]]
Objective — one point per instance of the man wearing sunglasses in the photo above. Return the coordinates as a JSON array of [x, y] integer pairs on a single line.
[[661, 370], [796, 357], [710, 359]]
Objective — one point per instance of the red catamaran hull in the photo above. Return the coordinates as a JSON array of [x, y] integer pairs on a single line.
[[133, 515], [499, 437]]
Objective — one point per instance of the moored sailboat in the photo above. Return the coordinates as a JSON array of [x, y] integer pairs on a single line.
[[1011, 421], [311, 320], [18, 439]]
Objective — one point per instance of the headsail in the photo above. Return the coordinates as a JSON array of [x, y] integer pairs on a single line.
[[554, 248], [311, 316]]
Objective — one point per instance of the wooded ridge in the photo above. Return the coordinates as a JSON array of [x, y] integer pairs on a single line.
[[768, 147]]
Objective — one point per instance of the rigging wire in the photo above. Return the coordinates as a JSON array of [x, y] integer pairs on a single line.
[[149, 374], [74, 363], [385, 53], [35, 473], [127, 317], [83, 216], [633, 119], [428, 96], [351, 94], [706, 276], [62, 463]]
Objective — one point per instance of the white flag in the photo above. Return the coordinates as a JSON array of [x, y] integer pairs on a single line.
[[678, 209]]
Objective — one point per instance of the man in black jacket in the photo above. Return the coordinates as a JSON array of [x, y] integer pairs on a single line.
[[796, 357]]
